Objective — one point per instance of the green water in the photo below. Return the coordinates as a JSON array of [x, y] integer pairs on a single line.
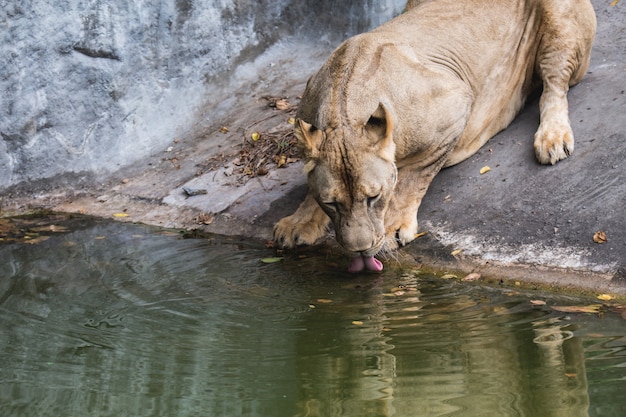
[[110, 319]]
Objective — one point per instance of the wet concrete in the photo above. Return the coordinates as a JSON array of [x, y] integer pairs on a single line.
[[520, 220]]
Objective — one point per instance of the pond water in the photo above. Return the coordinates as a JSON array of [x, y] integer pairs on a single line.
[[101, 318]]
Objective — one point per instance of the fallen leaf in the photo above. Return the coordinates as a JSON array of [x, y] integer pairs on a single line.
[[49, 228], [420, 234], [324, 301], [592, 308], [120, 215], [449, 276], [599, 237], [357, 322], [282, 104], [605, 297], [224, 129], [538, 302], [500, 310], [484, 170], [614, 3], [271, 260], [205, 218], [472, 277], [255, 136], [456, 252], [291, 121], [282, 160], [33, 241]]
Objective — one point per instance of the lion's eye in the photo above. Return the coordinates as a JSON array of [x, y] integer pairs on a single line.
[[333, 205], [372, 200]]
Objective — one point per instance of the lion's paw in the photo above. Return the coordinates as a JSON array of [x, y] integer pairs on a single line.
[[402, 228], [293, 231], [553, 143]]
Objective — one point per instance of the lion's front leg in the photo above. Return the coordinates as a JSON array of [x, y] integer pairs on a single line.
[[562, 60], [401, 216], [304, 227], [401, 221], [554, 139]]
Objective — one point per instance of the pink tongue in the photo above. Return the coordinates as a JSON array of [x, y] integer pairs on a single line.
[[365, 262]]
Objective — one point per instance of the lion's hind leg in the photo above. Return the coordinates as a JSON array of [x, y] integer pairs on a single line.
[[562, 60], [304, 227]]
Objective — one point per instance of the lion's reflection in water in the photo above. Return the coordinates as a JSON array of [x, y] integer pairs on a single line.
[[431, 354]]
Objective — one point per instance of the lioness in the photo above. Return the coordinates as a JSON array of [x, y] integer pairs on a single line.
[[426, 90]]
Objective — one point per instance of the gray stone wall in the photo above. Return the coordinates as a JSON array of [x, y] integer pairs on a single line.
[[90, 86]]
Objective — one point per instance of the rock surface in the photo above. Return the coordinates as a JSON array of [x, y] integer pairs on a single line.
[[112, 114], [91, 86]]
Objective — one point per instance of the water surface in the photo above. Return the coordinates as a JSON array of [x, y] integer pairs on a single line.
[[111, 319]]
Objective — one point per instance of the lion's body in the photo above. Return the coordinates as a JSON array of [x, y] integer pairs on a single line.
[[424, 91]]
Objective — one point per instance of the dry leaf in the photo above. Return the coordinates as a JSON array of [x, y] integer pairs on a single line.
[[472, 277], [205, 218], [255, 136], [538, 302], [49, 228], [291, 121], [448, 276], [484, 170], [271, 260], [605, 297], [599, 237], [357, 322], [120, 215], [614, 3], [592, 308], [224, 129], [282, 104], [36, 240], [420, 234], [456, 252]]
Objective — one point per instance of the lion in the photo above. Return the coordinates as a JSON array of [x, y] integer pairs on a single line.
[[391, 107]]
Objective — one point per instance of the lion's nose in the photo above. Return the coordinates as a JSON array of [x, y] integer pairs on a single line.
[[357, 240]]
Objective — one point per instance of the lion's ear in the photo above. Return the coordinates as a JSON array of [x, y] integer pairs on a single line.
[[381, 123], [309, 137]]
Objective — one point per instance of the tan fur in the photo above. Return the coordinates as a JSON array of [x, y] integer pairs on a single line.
[[391, 107]]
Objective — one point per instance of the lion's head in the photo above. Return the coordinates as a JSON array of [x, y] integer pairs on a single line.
[[352, 175]]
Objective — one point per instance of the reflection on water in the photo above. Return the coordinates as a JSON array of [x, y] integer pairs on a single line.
[[110, 319]]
